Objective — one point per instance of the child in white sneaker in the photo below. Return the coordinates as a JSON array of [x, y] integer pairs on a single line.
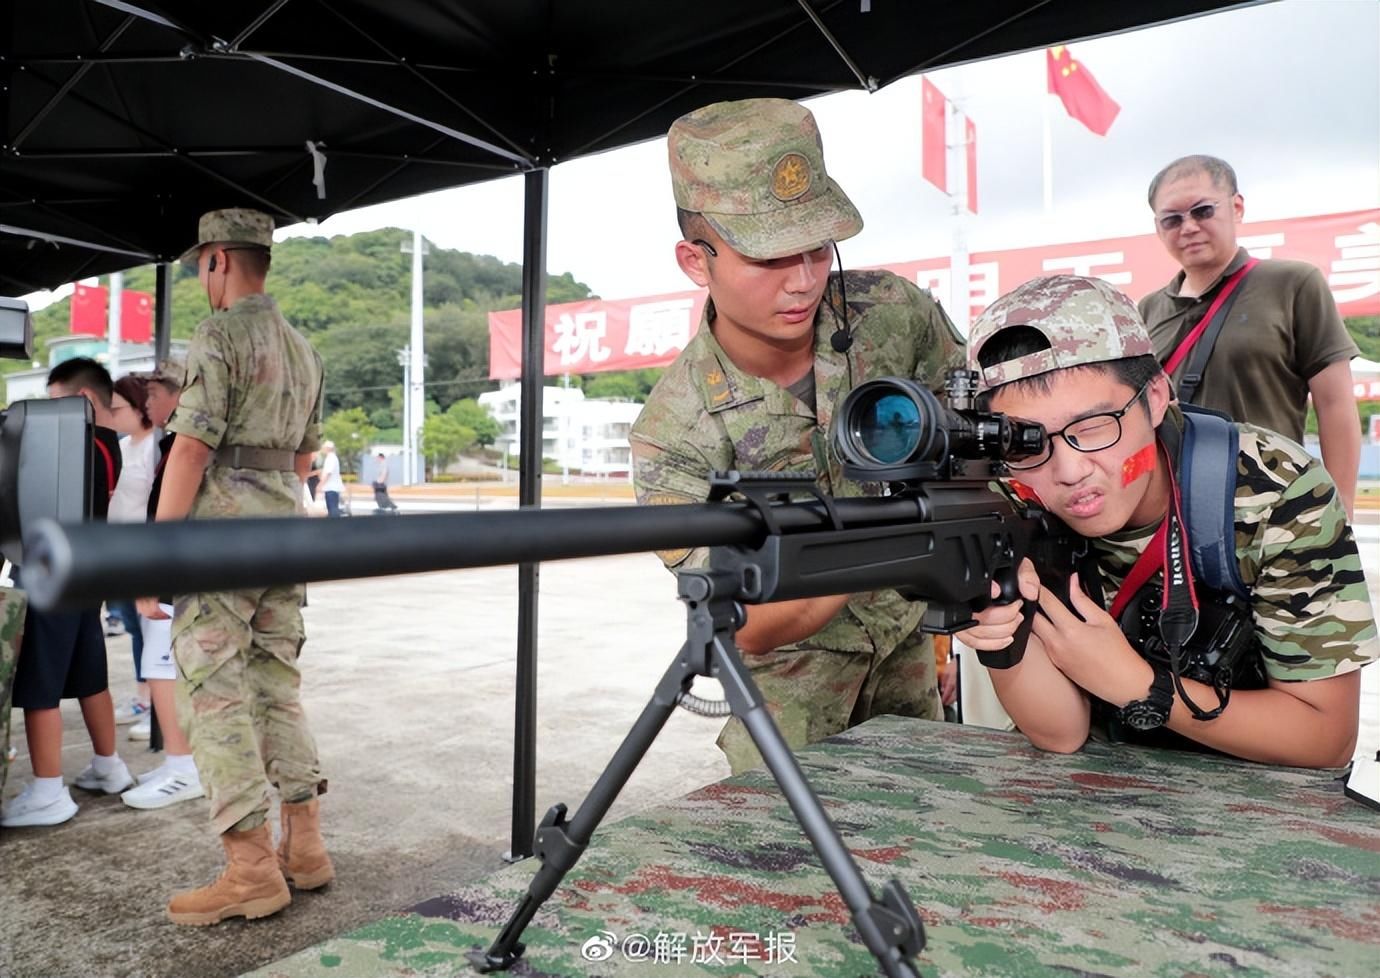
[[176, 778]]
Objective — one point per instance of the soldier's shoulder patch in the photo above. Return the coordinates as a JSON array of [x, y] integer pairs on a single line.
[[661, 498]]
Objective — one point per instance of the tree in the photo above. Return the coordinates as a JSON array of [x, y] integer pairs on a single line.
[[478, 419], [352, 434], [443, 439]]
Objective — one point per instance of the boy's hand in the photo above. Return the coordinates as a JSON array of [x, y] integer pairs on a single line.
[[1093, 653], [997, 623]]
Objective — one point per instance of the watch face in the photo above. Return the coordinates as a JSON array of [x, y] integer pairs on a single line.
[[1144, 715]]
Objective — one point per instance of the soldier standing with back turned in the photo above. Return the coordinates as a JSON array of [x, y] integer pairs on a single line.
[[248, 421]]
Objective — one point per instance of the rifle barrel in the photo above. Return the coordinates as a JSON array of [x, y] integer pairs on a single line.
[[81, 565]]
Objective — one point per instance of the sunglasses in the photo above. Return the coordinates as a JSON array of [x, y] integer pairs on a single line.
[[1173, 220]]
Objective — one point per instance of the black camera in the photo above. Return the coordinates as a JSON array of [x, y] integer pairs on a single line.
[[45, 448], [1224, 650], [894, 429]]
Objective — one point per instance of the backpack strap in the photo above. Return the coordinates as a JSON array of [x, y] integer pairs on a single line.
[[1207, 476]]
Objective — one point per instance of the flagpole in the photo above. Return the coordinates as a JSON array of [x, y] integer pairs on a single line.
[[960, 302], [1048, 159]]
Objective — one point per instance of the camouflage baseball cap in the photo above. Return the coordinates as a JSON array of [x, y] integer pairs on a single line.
[[1085, 320], [755, 170], [233, 225], [170, 370]]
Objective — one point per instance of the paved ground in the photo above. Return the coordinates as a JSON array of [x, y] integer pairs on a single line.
[[408, 684]]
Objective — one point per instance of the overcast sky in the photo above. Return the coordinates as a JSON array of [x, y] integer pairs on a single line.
[[1288, 93]]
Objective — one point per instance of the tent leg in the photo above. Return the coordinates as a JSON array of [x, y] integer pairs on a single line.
[[162, 306], [529, 495]]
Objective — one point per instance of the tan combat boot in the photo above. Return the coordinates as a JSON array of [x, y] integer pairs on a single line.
[[302, 853], [251, 884]]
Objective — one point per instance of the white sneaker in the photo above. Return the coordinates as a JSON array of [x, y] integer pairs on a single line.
[[130, 712], [112, 784], [163, 791], [25, 810], [142, 729]]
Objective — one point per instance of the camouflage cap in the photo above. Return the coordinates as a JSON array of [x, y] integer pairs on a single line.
[[170, 370], [233, 225], [1085, 320], [755, 170]]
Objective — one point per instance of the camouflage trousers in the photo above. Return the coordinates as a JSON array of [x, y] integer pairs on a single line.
[[239, 699], [12, 605], [814, 693]]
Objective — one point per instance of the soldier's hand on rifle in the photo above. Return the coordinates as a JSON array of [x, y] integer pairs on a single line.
[[1092, 653], [997, 623]]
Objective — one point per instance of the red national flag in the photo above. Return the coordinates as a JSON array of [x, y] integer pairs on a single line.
[[88, 310], [136, 317], [1082, 96], [932, 138], [970, 151]]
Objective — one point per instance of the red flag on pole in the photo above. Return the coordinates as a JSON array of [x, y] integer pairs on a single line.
[[1082, 96], [88, 310], [970, 154], [136, 316], [933, 148]]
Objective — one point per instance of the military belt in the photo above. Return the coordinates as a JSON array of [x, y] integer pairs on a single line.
[[248, 457]]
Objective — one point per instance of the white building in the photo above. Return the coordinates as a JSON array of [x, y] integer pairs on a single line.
[[585, 434], [135, 358]]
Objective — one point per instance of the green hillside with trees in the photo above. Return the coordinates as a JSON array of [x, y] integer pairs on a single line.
[[351, 296]]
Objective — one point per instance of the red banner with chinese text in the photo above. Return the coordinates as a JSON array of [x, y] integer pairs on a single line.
[[87, 310], [626, 334]]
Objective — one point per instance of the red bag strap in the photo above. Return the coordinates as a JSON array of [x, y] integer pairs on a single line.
[[1228, 287]]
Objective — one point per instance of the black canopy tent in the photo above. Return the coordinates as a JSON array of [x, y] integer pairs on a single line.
[[123, 121]]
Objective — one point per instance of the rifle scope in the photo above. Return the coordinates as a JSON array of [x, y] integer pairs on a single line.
[[894, 429]]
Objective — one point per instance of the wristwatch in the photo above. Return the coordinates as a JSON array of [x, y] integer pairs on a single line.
[[1153, 711]]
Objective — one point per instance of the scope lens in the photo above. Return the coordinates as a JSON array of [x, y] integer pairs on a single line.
[[889, 427]]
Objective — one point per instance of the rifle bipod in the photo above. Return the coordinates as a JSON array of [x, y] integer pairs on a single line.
[[890, 927]]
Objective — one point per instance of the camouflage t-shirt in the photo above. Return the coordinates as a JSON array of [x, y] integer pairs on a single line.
[[254, 381], [1297, 556], [705, 414]]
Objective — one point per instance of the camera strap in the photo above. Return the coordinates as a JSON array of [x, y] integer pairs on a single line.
[[1169, 550]]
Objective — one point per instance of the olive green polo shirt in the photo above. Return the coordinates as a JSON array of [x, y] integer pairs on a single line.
[[1283, 328]]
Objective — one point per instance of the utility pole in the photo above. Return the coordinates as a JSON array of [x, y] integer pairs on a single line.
[[117, 287], [414, 392]]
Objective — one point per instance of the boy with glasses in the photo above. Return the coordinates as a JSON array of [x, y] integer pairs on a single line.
[[1072, 354], [1281, 339]]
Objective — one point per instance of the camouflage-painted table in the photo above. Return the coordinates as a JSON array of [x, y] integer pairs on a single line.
[[1113, 861], [12, 606]]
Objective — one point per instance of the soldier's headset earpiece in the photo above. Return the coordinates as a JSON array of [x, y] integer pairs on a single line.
[[211, 265], [843, 333]]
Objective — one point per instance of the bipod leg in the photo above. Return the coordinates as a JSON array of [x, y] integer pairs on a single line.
[[890, 927], [559, 842]]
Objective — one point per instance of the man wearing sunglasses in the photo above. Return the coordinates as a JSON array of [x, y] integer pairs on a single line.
[[1072, 354], [1281, 338], [781, 340]]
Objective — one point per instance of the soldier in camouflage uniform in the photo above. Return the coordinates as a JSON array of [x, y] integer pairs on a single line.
[[248, 420], [1073, 354], [780, 342]]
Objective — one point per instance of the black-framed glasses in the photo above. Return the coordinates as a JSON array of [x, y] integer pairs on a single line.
[[1173, 220], [706, 246], [1090, 434]]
